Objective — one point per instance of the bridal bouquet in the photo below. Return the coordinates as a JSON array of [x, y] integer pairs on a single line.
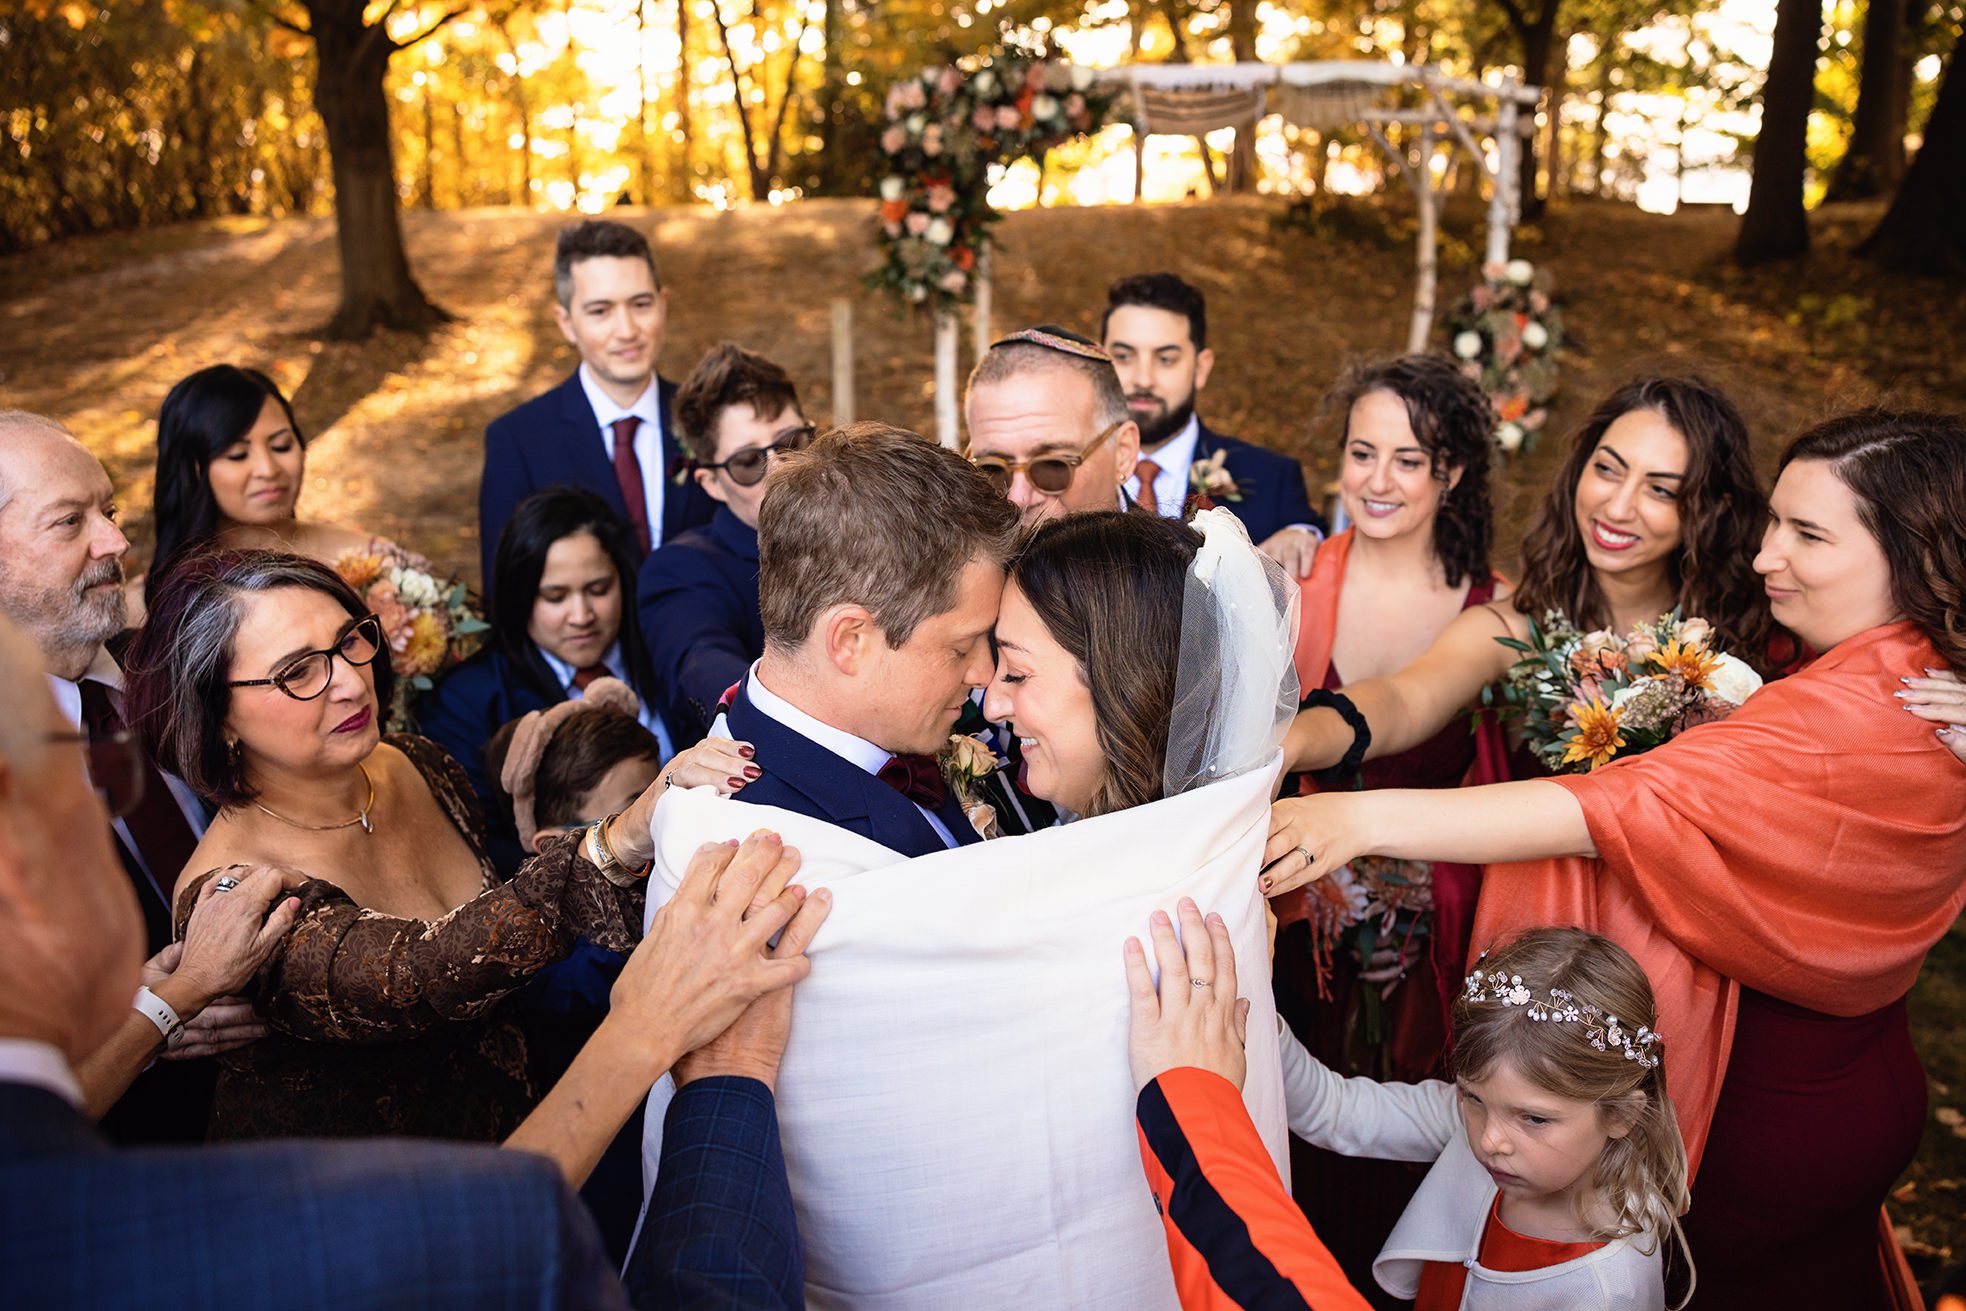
[[429, 624], [1380, 911], [1586, 699]]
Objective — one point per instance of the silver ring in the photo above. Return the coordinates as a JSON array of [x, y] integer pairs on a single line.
[[1199, 983], [1309, 859], [669, 779], [224, 883]]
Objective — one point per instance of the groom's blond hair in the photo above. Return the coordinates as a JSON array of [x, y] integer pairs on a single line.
[[875, 516]]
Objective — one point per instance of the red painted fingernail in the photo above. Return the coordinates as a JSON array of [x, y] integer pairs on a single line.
[[734, 781], [746, 752], [1263, 883], [752, 771]]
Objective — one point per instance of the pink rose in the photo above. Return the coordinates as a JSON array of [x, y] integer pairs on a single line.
[[892, 228], [949, 80], [917, 223], [894, 106], [940, 198], [912, 95], [1007, 118], [953, 282], [983, 118], [1538, 303], [1481, 298], [894, 139], [932, 139], [1075, 104]]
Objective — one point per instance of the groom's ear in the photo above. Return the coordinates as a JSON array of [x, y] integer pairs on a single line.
[[849, 637]]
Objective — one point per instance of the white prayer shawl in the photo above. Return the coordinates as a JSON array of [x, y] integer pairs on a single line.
[[955, 1101]]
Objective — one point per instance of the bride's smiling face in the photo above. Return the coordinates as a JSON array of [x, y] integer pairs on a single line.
[[1040, 692]]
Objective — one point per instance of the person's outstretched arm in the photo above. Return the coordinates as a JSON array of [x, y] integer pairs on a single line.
[[1407, 708], [1234, 1236]]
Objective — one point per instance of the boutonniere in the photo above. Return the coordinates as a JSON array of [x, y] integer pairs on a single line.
[[1210, 482], [966, 761], [680, 470]]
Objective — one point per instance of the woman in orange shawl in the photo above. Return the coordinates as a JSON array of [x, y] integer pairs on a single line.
[[1781, 874]]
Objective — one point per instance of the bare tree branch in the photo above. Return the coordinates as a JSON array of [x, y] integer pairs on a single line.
[[427, 32], [273, 14]]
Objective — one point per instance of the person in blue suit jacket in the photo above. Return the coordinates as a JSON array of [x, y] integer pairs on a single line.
[[608, 427], [373, 1224], [871, 653], [1156, 330], [698, 597]]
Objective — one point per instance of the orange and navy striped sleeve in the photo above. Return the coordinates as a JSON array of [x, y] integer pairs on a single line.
[[1236, 1240]]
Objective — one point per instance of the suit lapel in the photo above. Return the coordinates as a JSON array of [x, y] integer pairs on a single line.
[[676, 497], [579, 455]]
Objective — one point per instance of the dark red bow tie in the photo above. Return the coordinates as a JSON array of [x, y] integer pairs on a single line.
[[917, 778]]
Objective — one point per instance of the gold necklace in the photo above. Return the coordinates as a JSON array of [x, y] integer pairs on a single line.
[[361, 816]]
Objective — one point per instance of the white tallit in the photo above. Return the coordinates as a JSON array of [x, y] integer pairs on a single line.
[[955, 1100]]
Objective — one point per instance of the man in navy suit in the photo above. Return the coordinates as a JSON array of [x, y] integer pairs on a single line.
[[399, 1223], [608, 427], [698, 595], [1156, 330], [876, 632]]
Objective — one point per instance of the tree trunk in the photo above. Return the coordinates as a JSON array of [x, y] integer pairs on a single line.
[[523, 105], [1241, 173], [684, 129], [1556, 179], [376, 287], [1537, 32], [1177, 28], [1775, 225], [760, 185], [1600, 133], [1922, 233], [1874, 163], [824, 171], [428, 187]]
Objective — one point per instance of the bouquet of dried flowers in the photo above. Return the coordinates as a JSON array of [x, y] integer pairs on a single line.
[[430, 624]]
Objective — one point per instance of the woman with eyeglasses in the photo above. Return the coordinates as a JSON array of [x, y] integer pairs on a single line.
[[257, 682], [698, 594]]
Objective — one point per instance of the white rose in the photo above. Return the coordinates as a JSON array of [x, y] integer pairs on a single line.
[[1630, 690], [1044, 107], [915, 124], [1509, 437], [1734, 681], [939, 232], [893, 188], [1081, 77], [1520, 272], [984, 84], [1535, 336], [1467, 345]]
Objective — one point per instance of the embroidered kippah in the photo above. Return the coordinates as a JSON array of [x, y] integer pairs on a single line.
[[1054, 338], [1602, 1031]]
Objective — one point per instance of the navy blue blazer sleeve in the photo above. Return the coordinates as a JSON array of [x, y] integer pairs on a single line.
[[1274, 494], [699, 626], [502, 484], [720, 1230]]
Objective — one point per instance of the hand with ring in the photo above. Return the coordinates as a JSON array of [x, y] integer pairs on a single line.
[[1193, 1018], [1310, 837]]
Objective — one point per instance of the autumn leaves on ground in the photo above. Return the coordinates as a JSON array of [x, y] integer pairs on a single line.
[[95, 331]]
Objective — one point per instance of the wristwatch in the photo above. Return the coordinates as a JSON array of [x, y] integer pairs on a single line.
[[598, 853], [162, 1014]]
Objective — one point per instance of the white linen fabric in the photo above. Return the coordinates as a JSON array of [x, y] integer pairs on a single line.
[[955, 1101]]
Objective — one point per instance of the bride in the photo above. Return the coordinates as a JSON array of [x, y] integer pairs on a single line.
[[955, 1101]]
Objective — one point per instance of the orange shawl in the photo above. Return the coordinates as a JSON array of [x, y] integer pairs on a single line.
[[1811, 846], [1317, 611]]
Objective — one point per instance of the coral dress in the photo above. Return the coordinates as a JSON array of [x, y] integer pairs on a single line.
[[1442, 1283]]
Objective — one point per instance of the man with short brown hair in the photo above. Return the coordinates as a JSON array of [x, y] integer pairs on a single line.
[[881, 562]]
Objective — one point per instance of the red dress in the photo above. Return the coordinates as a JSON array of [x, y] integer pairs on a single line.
[[1442, 1283]]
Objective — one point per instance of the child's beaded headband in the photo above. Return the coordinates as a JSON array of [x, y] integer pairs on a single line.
[[1602, 1031]]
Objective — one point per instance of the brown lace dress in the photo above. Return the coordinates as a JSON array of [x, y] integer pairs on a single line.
[[393, 1026]]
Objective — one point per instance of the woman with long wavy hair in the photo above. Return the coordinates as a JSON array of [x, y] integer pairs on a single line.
[[1655, 508]]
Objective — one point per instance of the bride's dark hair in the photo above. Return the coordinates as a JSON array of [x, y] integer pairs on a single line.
[[1108, 587]]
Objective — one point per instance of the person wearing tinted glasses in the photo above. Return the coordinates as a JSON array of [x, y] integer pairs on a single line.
[[256, 680], [1049, 425], [698, 595]]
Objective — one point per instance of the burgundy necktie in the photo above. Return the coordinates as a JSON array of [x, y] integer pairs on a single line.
[[587, 674], [163, 839], [628, 472], [917, 778], [1148, 473]]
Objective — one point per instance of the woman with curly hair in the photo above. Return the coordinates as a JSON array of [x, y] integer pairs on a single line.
[[1780, 874], [1415, 447]]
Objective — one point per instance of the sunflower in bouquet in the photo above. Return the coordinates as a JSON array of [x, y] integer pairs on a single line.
[[1585, 699], [430, 624]]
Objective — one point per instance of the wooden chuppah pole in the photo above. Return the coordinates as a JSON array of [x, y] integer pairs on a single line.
[[947, 427], [980, 311]]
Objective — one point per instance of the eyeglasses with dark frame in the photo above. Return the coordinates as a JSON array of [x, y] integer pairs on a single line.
[[747, 468], [115, 768], [1050, 474], [308, 674]]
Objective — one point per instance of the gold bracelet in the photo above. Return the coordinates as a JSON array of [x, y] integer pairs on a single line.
[[600, 853]]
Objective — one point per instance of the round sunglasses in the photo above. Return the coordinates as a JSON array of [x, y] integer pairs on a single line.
[[1050, 474], [747, 467]]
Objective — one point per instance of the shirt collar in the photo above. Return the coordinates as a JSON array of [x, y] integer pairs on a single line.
[[1179, 452], [565, 672], [647, 406], [39, 1065], [68, 692], [854, 750]]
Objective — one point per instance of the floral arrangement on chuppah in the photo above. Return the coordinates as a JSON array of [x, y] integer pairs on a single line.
[[1506, 333], [429, 624], [1587, 699], [945, 128]]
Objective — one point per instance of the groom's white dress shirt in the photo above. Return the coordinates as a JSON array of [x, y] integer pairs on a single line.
[[39, 1065]]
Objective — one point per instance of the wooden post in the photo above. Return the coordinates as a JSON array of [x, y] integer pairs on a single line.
[[1502, 205], [1427, 260], [980, 311], [948, 430], [843, 406]]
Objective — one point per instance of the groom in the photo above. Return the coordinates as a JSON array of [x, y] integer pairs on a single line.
[[881, 561]]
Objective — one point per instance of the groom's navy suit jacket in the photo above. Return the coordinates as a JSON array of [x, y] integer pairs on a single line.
[[1271, 485], [803, 777], [554, 440]]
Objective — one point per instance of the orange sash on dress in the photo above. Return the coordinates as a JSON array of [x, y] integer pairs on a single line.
[[1811, 846], [1317, 610]]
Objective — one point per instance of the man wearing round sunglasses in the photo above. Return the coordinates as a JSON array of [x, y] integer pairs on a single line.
[[1049, 425], [697, 596]]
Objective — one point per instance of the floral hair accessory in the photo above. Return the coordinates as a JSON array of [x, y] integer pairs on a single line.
[[520, 777], [1602, 1031], [1055, 338]]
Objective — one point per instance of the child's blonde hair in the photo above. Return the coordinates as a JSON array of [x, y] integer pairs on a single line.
[[1505, 1013]]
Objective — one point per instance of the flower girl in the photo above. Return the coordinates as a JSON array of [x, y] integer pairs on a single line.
[[1558, 1167]]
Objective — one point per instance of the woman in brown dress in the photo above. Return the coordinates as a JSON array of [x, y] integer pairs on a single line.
[[256, 681]]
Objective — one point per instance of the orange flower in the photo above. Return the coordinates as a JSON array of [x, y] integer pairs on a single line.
[[963, 258], [893, 211], [359, 568], [1511, 408], [1598, 739], [429, 642], [1694, 664]]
